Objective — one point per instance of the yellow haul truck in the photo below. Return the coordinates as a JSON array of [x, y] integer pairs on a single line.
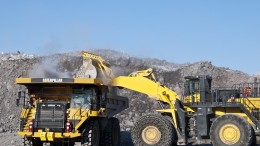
[[62, 111], [224, 116]]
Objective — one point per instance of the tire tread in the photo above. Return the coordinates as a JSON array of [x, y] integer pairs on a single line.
[[157, 120], [243, 125]]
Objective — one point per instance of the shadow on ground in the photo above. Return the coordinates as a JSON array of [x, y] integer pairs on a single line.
[[127, 141], [126, 138]]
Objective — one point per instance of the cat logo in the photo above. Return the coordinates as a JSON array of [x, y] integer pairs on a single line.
[[52, 80]]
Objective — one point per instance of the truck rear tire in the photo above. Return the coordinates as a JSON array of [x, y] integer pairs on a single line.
[[91, 134], [153, 130], [112, 133], [231, 130]]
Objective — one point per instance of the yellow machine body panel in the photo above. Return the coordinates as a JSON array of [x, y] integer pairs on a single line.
[[188, 99], [236, 111], [49, 136]]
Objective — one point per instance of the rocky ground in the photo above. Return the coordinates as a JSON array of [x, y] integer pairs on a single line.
[[13, 65], [12, 139]]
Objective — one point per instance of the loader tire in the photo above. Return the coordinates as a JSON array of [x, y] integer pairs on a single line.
[[112, 133], [153, 130], [253, 137], [231, 130], [175, 134], [91, 134]]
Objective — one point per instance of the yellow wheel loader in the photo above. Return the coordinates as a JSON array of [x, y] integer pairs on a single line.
[[222, 116], [62, 111]]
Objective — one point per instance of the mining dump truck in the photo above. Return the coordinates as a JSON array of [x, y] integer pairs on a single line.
[[222, 116], [62, 111]]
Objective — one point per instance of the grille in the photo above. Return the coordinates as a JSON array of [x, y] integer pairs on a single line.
[[50, 116]]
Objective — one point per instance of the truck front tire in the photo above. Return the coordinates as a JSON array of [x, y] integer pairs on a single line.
[[112, 133], [91, 133]]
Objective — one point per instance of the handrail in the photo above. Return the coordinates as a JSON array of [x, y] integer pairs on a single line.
[[80, 115], [250, 106], [24, 118]]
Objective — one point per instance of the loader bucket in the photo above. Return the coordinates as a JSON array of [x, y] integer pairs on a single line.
[[87, 70]]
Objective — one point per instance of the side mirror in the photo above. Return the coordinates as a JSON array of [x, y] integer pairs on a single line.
[[18, 99], [17, 102], [103, 97]]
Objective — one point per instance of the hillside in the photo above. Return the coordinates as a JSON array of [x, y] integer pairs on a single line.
[[13, 65]]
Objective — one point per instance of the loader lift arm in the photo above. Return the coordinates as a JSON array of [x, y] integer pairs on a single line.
[[144, 82]]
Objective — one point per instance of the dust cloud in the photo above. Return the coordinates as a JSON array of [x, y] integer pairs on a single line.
[[48, 68]]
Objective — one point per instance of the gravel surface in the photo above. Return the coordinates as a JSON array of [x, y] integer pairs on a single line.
[[13, 139]]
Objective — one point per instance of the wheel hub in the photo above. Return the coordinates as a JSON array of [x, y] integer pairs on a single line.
[[229, 134], [151, 135]]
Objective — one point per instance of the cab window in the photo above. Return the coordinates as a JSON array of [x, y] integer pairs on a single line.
[[83, 98]]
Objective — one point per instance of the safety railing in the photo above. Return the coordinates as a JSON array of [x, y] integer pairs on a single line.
[[26, 117], [248, 104], [78, 115], [248, 89]]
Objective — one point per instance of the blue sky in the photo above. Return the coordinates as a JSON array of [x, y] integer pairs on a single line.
[[226, 32]]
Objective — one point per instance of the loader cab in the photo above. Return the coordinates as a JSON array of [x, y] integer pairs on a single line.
[[197, 89]]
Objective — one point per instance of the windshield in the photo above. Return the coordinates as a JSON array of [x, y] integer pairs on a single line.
[[83, 98], [191, 87]]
